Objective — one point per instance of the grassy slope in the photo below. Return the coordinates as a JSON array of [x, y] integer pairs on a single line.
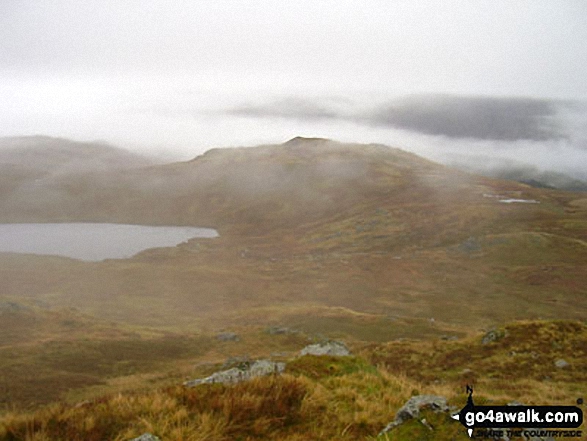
[[307, 225], [363, 243], [323, 398]]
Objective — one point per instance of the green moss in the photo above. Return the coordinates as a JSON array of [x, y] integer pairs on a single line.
[[321, 366]]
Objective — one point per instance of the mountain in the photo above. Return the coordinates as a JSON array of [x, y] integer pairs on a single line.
[[261, 189], [58, 155], [314, 223], [34, 169], [318, 239]]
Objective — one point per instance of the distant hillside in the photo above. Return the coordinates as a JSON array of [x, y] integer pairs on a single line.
[[521, 173], [62, 155], [265, 187], [318, 239], [33, 171], [365, 228]]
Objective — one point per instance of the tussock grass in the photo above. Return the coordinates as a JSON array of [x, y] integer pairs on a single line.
[[325, 398], [520, 365], [361, 242], [348, 400]]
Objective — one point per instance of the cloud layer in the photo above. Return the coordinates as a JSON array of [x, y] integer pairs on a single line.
[[488, 118]]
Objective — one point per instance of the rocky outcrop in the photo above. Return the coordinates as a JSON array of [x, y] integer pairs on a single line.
[[280, 330], [493, 335], [146, 437], [334, 348], [245, 371], [414, 406], [227, 336]]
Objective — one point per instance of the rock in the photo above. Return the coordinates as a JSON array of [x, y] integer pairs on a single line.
[[82, 404], [561, 364], [239, 362], [334, 348], [279, 354], [227, 336], [493, 335], [470, 245], [412, 409], [245, 371], [146, 437], [276, 330], [9, 307]]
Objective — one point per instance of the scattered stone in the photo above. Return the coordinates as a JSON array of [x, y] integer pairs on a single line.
[[277, 330], [9, 307], [240, 362], [427, 424], [279, 354], [561, 364], [470, 245], [82, 404], [334, 348], [146, 437], [245, 371], [493, 335], [412, 409], [227, 336]]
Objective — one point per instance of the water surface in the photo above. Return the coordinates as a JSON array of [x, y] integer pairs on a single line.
[[91, 241]]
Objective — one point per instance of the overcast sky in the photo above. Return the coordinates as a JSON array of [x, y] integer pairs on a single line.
[[187, 75]]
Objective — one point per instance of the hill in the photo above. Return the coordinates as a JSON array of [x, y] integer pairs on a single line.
[[34, 168], [315, 223], [343, 398], [58, 155], [365, 243]]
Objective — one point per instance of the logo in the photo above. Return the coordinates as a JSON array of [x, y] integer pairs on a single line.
[[519, 420]]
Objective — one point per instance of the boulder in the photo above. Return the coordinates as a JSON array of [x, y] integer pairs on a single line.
[[243, 372], [412, 409], [280, 330], [9, 307], [227, 336], [240, 362], [493, 335], [146, 437], [561, 364], [334, 348]]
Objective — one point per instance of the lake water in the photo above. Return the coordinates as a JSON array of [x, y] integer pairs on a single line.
[[93, 242]]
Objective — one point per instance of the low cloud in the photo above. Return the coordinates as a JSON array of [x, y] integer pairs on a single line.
[[499, 136], [294, 108], [488, 118], [484, 118]]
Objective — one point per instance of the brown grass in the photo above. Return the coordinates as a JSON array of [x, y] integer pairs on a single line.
[[325, 398], [362, 243]]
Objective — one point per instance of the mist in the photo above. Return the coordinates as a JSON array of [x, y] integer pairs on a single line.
[[461, 83], [498, 136]]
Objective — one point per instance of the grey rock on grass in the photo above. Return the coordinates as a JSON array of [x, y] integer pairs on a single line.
[[334, 348], [244, 372], [227, 336], [146, 437], [412, 409]]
